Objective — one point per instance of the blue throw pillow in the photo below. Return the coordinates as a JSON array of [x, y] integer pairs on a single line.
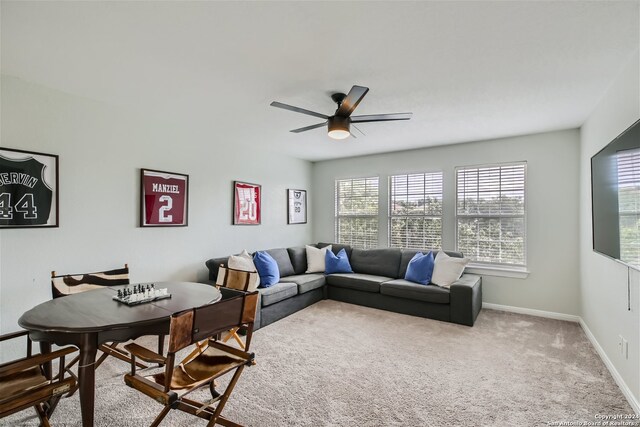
[[267, 269], [337, 263], [420, 268]]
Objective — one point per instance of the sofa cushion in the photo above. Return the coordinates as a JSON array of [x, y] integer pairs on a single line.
[[336, 247], [337, 263], [447, 269], [376, 262], [298, 256], [306, 282], [407, 255], [316, 259], [405, 289], [420, 268], [267, 269], [284, 262], [278, 292], [361, 282]]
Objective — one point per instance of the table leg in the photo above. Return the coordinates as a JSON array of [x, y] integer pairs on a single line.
[[45, 347], [87, 376]]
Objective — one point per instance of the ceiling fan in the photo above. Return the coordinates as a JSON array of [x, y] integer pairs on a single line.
[[339, 124]]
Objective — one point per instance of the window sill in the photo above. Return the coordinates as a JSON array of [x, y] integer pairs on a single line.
[[486, 270]]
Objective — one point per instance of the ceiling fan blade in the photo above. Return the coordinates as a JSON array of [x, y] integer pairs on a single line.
[[381, 117], [352, 100], [358, 129], [306, 128], [298, 109]]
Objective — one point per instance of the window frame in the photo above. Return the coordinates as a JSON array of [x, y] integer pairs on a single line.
[[337, 215], [516, 269], [633, 153], [391, 216]]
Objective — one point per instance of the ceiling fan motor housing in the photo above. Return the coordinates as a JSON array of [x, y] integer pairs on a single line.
[[339, 127]]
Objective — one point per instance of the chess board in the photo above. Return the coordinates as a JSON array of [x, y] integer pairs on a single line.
[[141, 294]]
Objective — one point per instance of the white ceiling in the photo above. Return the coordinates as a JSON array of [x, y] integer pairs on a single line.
[[467, 70]]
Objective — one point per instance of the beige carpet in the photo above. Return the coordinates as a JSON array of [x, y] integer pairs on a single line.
[[337, 364]]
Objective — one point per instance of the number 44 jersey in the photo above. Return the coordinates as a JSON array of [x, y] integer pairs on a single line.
[[25, 199]]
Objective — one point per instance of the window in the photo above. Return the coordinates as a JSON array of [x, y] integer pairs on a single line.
[[490, 213], [629, 205], [415, 211], [357, 212]]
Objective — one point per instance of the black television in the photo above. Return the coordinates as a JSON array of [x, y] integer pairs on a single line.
[[615, 198]]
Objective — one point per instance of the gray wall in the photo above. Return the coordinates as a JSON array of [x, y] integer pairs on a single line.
[[101, 151], [603, 281], [552, 208]]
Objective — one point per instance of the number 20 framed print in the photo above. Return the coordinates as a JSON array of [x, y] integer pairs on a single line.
[[246, 203], [164, 199], [28, 189]]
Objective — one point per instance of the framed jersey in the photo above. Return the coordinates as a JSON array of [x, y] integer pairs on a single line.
[[164, 199], [246, 203], [28, 189]]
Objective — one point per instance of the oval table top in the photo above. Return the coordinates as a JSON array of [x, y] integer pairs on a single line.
[[96, 311]]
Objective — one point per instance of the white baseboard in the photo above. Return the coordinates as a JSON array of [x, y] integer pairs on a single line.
[[532, 312], [572, 318], [614, 372]]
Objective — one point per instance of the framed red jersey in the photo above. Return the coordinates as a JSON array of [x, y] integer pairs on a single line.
[[164, 199], [246, 203]]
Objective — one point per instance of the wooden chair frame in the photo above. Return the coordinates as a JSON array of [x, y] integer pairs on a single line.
[[201, 327], [112, 348], [45, 397], [234, 279]]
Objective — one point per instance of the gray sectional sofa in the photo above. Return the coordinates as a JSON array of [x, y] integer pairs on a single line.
[[377, 281]]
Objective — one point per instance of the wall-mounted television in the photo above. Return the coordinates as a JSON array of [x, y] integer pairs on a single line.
[[615, 198]]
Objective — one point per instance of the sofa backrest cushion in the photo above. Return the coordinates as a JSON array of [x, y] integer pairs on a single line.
[[213, 264], [378, 262], [284, 262], [336, 247], [298, 257], [407, 254]]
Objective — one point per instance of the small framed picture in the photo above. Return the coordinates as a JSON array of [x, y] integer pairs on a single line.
[[164, 200], [28, 189], [297, 206], [246, 203]]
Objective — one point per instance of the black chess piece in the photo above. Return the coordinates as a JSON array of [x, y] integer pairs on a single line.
[[119, 293]]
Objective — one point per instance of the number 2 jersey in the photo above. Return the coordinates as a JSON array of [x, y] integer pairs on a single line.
[[25, 199]]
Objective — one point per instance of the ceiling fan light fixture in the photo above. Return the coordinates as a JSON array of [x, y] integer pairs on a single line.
[[339, 127]]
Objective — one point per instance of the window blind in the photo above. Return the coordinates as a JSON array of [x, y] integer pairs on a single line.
[[415, 211], [629, 205], [356, 210], [490, 213]]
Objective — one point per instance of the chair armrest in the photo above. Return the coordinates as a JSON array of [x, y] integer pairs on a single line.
[[466, 299], [145, 354], [13, 335], [37, 360]]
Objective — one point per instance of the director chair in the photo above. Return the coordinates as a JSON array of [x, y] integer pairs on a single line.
[[69, 284], [24, 382], [209, 360]]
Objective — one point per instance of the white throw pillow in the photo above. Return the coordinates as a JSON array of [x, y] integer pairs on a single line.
[[242, 261], [447, 269], [315, 259]]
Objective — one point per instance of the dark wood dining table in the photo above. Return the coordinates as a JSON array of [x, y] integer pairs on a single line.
[[91, 318]]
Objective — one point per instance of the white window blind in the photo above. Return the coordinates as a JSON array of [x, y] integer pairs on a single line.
[[490, 213], [415, 211], [629, 205], [357, 212]]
